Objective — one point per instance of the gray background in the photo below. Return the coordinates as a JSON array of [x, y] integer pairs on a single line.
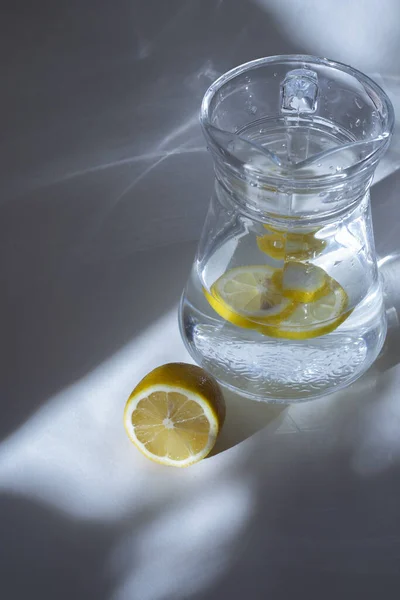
[[105, 181]]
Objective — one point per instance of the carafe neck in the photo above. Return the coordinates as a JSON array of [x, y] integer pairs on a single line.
[[311, 200]]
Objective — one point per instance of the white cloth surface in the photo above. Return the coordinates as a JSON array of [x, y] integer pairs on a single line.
[[105, 184]]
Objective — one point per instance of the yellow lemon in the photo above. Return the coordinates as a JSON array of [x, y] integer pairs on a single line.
[[248, 295], [175, 414], [281, 244], [316, 318]]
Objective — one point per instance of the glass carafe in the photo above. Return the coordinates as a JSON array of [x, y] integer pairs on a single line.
[[284, 301]]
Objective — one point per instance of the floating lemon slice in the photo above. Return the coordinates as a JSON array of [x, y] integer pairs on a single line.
[[274, 245], [315, 318], [248, 295], [281, 244], [302, 282], [174, 414]]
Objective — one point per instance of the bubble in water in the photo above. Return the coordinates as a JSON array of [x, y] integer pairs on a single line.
[[358, 102], [275, 74]]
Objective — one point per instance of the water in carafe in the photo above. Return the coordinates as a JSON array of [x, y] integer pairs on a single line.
[[284, 301]]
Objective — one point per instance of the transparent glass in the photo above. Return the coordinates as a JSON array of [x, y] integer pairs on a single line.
[[284, 301]]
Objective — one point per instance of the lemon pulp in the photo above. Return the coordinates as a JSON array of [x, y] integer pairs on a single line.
[[248, 294], [174, 414], [316, 318]]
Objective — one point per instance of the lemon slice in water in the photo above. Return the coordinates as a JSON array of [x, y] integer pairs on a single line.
[[274, 245], [248, 295], [316, 318], [280, 244]]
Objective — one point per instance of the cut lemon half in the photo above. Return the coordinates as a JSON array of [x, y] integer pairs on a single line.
[[175, 414], [315, 318], [248, 295], [281, 244], [302, 282]]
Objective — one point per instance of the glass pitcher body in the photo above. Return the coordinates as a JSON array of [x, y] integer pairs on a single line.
[[284, 301]]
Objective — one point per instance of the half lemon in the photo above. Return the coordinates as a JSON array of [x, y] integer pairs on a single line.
[[175, 414]]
